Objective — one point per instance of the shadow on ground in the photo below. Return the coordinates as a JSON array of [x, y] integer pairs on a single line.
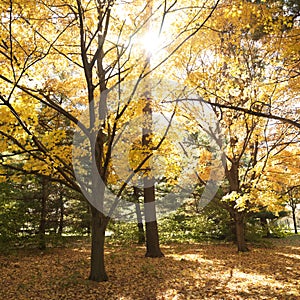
[[195, 271]]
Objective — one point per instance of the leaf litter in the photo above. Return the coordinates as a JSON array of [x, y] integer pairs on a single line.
[[188, 271]]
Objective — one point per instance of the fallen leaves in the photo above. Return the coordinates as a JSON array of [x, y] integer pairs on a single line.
[[194, 271]]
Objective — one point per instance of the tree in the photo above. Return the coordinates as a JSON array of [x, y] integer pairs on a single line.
[[239, 71], [88, 48], [293, 201], [283, 172], [141, 233]]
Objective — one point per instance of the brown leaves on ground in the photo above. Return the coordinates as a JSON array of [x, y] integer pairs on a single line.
[[188, 271]]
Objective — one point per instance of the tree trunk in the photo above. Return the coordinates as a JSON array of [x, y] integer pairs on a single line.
[[99, 223], [89, 224], [152, 238], [141, 233], [265, 227], [294, 219], [232, 175], [152, 244], [240, 232], [43, 214], [61, 214]]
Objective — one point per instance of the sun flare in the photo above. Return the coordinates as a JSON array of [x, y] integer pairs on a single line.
[[151, 42]]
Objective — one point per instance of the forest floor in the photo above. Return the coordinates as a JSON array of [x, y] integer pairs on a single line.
[[188, 271]]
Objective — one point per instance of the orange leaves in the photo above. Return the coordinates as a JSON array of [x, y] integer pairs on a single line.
[[282, 171], [53, 138], [210, 271], [209, 167]]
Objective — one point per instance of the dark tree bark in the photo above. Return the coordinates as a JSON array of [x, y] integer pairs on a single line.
[[99, 223], [152, 238], [240, 231], [232, 175], [293, 201], [99, 220], [141, 233], [294, 219], [265, 226]]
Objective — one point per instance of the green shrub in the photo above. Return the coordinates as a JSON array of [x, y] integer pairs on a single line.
[[279, 230], [197, 227], [254, 232], [123, 232]]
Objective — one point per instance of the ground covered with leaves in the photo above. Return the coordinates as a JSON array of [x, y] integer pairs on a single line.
[[188, 271]]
